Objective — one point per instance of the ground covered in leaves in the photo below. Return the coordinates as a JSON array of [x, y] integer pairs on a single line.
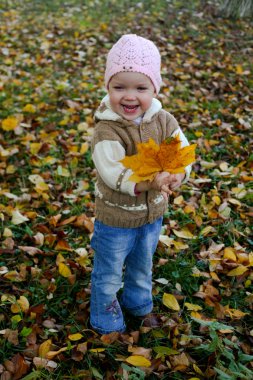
[[51, 80]]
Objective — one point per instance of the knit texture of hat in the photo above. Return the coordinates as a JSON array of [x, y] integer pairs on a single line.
[[136, 54]]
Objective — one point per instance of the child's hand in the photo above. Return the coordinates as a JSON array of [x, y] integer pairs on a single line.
[[175, 180], [161, 180]]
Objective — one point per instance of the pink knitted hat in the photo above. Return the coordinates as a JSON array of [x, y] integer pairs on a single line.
[[136, 54]]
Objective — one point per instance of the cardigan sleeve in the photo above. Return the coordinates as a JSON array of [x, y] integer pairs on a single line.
[[106, 155], [184, 142]]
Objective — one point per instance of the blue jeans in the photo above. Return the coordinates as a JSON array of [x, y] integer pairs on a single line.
[[115, 248]]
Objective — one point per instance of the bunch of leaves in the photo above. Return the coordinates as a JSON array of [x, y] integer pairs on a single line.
[[152, 158]]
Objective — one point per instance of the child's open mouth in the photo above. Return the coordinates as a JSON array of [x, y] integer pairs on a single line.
[[129, 109]]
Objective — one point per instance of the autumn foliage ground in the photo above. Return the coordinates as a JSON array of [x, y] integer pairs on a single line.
[[51, 79]]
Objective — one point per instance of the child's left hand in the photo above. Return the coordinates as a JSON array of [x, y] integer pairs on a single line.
[[175, 180]]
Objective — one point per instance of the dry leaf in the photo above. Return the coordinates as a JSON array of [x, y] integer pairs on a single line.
[[97, 350], [152, 158], [51, 354], [32, 251], [184, 233], [141, 351], [45, 348], [75, 337], [63, 245], [10, 123], [170, 301], [238, 271], [21, 305], [138, 361], [64, 270], [229, 254], [191, 306], [18, 218]]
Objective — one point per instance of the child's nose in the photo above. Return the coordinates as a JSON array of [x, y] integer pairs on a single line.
[[130, 95]]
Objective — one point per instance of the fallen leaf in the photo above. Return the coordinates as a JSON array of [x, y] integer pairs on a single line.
[[10, 123], [75, 337], [18, 218], [97, 350], [63, 245], [170, 301], [165, 351], [138, 361], [51, 354], [192, 307], [44, 348], [237, 271], [22, 305], [64, 270], [184, 233], [229, 254], [32, 251]]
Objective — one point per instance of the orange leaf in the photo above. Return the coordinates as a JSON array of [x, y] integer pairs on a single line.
[[152, 158], [62, 245], [84, 222], [22, 305], [67, 221]]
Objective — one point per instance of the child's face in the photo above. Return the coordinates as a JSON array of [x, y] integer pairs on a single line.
[[130, 94]]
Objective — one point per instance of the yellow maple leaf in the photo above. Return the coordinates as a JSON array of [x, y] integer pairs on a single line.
[[152, 158]]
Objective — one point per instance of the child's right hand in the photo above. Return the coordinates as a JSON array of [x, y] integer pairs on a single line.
[[161, 183]]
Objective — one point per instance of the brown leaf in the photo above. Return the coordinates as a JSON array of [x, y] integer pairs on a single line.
[[109, 338], [9, 365], [67, 221], [53, 221], [32, 251], [84, 222], [180, 362], [6, 376], [21, 366], [8, 243], [63, 245], [82, 347], [146, 352]]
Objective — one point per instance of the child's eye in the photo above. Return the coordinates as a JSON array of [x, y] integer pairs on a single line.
[[141, 88], [118, 87]]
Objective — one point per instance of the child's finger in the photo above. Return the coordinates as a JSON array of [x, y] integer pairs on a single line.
[[165, 195], [167, 189]]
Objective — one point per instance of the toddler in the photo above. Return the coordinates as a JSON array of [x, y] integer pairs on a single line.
[[128, 215]]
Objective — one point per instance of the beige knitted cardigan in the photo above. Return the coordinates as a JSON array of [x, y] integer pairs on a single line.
[[113, 207]]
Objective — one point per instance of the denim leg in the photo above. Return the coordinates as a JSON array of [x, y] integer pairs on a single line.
[[111, 245], [137, 293]]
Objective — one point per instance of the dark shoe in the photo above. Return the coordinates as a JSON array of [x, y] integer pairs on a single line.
[[151, 320]]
